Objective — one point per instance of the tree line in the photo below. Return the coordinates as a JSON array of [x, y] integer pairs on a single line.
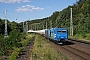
[[81, 18]]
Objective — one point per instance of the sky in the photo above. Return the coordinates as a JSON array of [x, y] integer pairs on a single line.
[[22, 10]]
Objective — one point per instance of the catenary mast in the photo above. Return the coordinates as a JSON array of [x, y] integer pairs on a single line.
[[71, 24], [6, 34]]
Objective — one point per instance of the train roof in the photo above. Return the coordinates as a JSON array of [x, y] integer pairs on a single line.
[[60, 28], [57, 28]]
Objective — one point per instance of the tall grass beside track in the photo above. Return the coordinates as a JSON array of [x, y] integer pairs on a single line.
[[42, 50], [85, 37]]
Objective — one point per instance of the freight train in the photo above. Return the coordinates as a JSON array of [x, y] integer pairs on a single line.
[[58, 35]]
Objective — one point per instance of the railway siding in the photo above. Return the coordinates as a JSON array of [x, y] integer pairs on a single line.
[[24, 55], [18, 53]]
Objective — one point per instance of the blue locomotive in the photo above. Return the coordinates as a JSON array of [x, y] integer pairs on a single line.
[[57, 34]]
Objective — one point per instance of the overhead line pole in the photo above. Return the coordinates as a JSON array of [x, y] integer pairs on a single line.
[[51, 23], [46, 25], [71, 24], [43, 27], [23, 27], [26, 27], [6, 34]]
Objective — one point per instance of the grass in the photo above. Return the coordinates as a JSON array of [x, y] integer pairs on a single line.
[[85, 37], [42, 50], [16, 51]]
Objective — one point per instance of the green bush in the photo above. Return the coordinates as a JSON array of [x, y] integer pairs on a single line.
[[17, 51], [2, 46], [84, 35], [88, 36], [10, 42]]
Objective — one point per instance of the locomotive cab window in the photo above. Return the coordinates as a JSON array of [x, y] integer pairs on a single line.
[[62, 31]]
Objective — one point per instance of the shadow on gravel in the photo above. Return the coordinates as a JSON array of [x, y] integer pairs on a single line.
[[66, 43], [21, 54]]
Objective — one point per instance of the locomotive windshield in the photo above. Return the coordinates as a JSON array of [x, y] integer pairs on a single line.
[[62, 31]]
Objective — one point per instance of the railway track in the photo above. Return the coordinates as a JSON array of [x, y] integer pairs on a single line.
[[81, 41], [72, 52], [25, 54], [82, 55], [74, 49]]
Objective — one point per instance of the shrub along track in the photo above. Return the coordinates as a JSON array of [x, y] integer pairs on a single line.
[[74, 50], [24, 55]]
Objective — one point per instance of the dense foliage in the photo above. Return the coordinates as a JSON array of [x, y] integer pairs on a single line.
[[81, 18], [13, 39]]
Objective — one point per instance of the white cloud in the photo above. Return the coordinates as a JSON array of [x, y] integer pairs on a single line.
[[14, 1], [26, 0], [28, 8], [48, 7]]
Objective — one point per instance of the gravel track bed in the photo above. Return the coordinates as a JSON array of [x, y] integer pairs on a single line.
[[78, 43], [77, 52]]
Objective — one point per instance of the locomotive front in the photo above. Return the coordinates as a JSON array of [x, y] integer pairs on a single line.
[[61, 34]]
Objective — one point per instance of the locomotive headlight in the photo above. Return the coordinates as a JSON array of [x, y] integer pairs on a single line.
[[54, 35], [65, 37], [62, 37]]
